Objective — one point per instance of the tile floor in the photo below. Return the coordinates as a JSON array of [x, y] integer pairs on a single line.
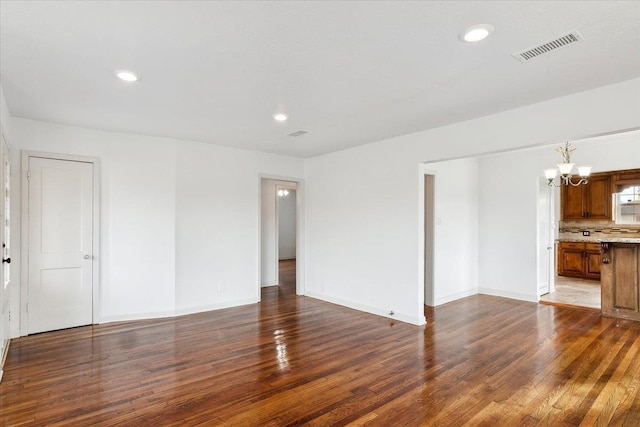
[[574, 292]]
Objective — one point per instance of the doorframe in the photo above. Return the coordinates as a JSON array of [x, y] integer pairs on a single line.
[[424, 169], [24, 232], [300, 236], [429, 264], [549, 216], [5, 293]]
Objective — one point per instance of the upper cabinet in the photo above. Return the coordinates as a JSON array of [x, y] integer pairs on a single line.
[[589, 201]]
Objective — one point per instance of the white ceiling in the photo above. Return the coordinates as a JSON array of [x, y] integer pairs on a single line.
[[349, 72]]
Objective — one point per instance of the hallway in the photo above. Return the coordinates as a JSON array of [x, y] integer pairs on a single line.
[[287, 285]]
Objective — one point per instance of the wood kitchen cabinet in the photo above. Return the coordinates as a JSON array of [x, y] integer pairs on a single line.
[[587, 201], [626, 177], [621, 280], [579, 259]]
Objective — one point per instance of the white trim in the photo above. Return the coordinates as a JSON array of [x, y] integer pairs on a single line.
[[454, 297], [300, 223], [401, 317], [5, 282], [176, 313], [512, 295], [24, 231], [276, 240], [3, 358], [423, 170], [548, 216]]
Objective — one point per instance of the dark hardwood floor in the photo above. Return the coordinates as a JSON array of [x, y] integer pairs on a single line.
[[293, 360]]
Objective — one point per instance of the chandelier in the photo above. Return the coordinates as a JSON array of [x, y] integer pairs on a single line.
[[565, 169]]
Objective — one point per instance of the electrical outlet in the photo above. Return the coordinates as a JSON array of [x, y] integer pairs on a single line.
[[586, 233]]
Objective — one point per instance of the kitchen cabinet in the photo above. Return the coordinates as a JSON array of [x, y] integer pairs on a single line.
[[579, 259], [587, 201], [621, 280], [626, 177]]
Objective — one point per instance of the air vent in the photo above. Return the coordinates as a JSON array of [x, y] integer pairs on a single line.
[[298, 133], [534, 52]]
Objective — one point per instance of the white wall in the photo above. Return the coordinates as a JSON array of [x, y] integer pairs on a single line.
[[5, 115], [217, 227], [509, 200], [287, 226], [177, 217], [363, 205], [508, 196], [180, 219], [137, 212], [455, 261]]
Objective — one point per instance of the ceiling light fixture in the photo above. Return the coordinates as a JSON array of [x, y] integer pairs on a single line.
[[565, 169], [127, 76], [283, 193], [475, 33], [280, 117]]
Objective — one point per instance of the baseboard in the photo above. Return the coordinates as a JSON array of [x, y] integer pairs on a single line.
[[215, 306], [402, 317], [512, 295], [3, 358], [136, 316], [286, 258], [5, 353], [454, 297], [177, 312], [266, 285]]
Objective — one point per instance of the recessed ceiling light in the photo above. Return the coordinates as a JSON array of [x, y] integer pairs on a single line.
[[280, 117], [127, 76], [475, 33]]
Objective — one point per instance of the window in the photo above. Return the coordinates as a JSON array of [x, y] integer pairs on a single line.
[[627, 205]]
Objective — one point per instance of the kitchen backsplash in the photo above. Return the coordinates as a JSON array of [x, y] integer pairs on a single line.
[[596, 229]]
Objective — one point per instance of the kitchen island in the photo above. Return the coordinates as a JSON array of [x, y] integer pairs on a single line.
[[620, 277]]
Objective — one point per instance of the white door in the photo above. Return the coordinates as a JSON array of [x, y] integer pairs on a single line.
[[60, 221], [545, 243], [5, 282]]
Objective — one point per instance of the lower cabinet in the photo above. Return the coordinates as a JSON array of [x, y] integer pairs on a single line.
[[579, 259], [621, 280]]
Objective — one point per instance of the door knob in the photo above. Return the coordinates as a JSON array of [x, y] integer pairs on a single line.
[[7, 260], [87, 257]]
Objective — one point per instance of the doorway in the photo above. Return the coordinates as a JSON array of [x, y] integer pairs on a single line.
[[554, 289], [286, 221], [59, 242], [280, 233]]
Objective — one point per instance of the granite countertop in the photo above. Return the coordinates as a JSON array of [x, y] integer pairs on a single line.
[[600, 239], [585, 239], [621, 240]]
